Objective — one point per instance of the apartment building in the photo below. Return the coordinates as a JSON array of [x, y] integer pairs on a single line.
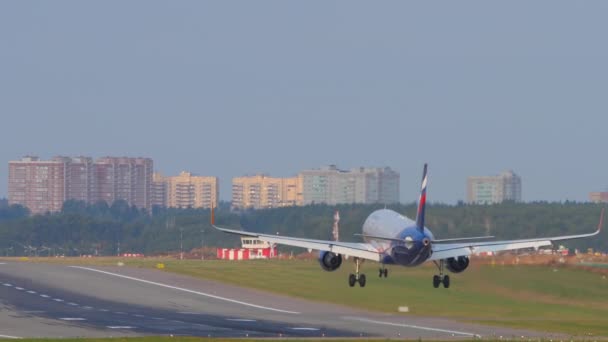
[[598, 197], [37, 184], [43, 186], [186, 191], [122, 178], [331, 185], [262, 191], [159, 190], [494, 189]]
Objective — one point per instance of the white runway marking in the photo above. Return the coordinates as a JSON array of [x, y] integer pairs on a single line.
[[88, 307], [72, 319], [19, 288], [72, 304], [306, 329], [8, 336], [409, 326], [7, 284], [120, 327], [2, 263], [44, 296], [138, 315], [189, 291], [104, 310], [241, 320], [58, 300], [31, 292]]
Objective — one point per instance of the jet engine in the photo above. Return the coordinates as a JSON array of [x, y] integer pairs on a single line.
[[457, 265], [330, 261]]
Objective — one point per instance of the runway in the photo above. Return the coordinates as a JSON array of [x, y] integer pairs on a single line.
[[43, 300]]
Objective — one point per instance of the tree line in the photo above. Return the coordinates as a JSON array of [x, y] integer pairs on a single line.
[[102, 229]]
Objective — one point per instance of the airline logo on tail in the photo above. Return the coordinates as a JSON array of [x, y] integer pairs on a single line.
[[422, 202]]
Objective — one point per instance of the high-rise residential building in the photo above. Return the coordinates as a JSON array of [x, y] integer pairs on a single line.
[[494, 189], [159, 191], [122, 178], [80, 183], [37, 184], [598, 197], [262, 191], [43, 186], [186, 190], [331, 185]]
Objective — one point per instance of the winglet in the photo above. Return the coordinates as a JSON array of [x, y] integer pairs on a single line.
[[212, 215], [601, 224], [422, 202]]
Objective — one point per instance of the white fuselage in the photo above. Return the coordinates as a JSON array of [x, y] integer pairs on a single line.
[[390, 224]]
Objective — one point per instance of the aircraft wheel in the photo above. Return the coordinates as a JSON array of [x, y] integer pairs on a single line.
[[436, 281], [362, 280], [380, 274], [385, 272], [352, 280], [446, 281]]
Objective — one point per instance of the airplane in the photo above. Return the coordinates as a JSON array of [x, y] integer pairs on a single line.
[[393, 239]]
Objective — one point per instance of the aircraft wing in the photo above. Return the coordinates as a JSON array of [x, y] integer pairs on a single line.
[[354, 249], [453, 250]]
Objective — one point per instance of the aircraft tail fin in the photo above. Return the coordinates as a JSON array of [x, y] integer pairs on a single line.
[[422, 202]]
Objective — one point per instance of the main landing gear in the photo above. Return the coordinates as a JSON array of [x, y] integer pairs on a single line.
[[383, 272], [438, 279], [354, 278]]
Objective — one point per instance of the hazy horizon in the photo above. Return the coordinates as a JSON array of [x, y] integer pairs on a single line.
[[234, 88]]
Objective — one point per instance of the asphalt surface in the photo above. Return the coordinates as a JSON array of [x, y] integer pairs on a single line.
[[42, 300]]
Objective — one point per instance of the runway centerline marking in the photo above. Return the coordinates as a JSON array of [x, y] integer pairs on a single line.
[[120, 327], [306, 329], [44, 296], [19, 288], [365, 320], [189, 291], [73, 319], [31, 292], [7, 284]]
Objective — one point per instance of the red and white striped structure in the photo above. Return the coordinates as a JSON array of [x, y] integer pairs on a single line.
[[251, 249]]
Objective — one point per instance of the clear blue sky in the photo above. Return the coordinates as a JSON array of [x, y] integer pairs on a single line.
[[229, 88]]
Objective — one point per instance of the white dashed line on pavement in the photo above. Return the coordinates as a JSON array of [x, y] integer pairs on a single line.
[[240, 320]]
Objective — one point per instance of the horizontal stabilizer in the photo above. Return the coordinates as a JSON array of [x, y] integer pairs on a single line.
[[379, 237], [463, 239]]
